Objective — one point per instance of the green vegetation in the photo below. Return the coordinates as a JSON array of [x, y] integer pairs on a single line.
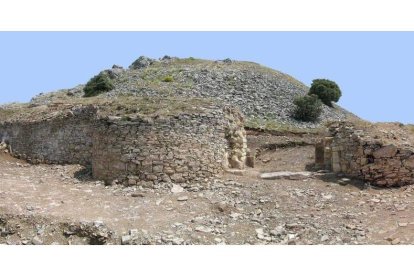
[[308, 108], [168, 79], [326, 90], [98, 84]]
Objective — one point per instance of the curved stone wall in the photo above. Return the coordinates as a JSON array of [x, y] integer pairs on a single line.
[[66, 139], [134, 149], [178, 148]]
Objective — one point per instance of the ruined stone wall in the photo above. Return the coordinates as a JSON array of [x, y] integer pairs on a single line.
[[65, 139], [177, 148], [351, 151], [134, 149]]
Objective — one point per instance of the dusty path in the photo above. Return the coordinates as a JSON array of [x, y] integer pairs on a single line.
[[234, 210]]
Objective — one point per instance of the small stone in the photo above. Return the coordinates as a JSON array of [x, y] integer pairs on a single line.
[[291, 236], [402, 224], [350, 226], [286, 175], [324, 238], [400, 207], [235, 215], [395, 241], [133, 232], [327, 196], [98, 223], [125, 239], [203, 229], [177, 189], [177, 241], [37, 241], [261, 235], [182, 198], [259, 231], [278, 231]]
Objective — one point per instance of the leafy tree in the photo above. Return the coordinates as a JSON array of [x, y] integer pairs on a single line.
[[308, 108], [326, 90], [98, 84]]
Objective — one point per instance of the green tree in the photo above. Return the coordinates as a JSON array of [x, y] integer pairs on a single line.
[[326, 90], [308, 108], [98, 84]]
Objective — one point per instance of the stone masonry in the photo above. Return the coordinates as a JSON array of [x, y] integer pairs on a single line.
[[134, 149], [65, 139], [380, 157], [177, 148]]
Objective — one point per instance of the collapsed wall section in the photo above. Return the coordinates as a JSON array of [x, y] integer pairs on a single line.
[[352, 151], [175, 148], [65, 139]]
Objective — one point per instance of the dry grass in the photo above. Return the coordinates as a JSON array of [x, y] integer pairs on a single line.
[[121, 106], [410, 128], [274, 126]]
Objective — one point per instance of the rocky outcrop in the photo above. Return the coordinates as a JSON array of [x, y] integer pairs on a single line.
[[382, 157], [141, 62]]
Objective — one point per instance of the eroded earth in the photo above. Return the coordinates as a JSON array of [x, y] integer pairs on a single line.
[[56, 204]]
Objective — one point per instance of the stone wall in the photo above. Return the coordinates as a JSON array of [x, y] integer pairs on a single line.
[[177, 148], [134, 149], [372, 158], [65, 139]]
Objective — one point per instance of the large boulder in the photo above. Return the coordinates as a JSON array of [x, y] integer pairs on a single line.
[[142, 62]]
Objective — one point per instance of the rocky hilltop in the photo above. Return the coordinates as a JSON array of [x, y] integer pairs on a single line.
[[265, 96]]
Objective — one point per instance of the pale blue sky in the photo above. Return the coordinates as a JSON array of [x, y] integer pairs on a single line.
[[373, 69]]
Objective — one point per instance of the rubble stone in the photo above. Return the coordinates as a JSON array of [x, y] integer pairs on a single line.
[[175, 148], [384, 160]]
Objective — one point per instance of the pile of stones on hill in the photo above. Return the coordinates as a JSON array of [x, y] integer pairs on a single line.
[[261, 93]]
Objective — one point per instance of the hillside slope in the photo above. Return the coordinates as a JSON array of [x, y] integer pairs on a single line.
[[264, 95]]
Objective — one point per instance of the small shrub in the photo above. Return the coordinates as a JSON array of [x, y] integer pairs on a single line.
[[308, 108], [97, 85], [168, 79], [326, 90]]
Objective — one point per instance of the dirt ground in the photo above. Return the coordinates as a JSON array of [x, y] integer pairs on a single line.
[[50, 204]]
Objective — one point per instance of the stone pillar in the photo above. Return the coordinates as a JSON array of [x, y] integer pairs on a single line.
[[236, 138]]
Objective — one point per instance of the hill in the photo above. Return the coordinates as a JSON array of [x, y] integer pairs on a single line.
[[265, 96]]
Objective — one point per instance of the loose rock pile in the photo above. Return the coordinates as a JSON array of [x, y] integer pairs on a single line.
[[259, 92], [380, 157]]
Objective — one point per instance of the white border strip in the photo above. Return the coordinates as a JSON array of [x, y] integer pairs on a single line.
[[212, 15]]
